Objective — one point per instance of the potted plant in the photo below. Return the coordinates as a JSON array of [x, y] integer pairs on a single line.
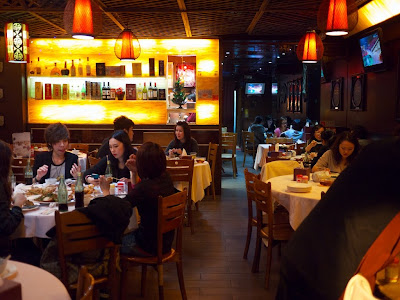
[[120, 93], [179, 93]]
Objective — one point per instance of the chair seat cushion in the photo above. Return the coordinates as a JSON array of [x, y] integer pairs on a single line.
[[152, 260]]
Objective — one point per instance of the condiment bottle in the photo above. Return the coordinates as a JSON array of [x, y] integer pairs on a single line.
[[62, 195], [79, 191]]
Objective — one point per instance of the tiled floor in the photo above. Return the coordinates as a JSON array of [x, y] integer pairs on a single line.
[[212, 262]]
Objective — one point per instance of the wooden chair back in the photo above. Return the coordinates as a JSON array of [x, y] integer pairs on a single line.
[[76, 233], [228, 144], [212, 160], [248, 144], [18, 168], [85, 285], [93, 161], [79, 146]]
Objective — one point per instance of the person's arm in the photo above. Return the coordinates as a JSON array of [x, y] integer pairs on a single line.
[[98, 168], [170, 146], [323, 162], [10, 219], [40, 169]]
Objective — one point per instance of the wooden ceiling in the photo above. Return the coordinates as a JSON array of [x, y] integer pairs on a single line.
[[250, 29]]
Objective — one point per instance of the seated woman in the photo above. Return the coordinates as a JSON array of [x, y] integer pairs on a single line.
[[150, 163], [57, 161], [269, 125], [342, 153], [327, 138], [315, 143], [183, 140], [121, 149], [281, 127], [10, 218]]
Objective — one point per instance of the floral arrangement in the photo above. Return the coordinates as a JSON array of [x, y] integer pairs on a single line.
[[119, 91]]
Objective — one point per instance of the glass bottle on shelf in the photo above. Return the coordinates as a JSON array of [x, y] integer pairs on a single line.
[[80, 68], [31, 69], [88, 69], [140, 92], [150, 92], [78, 92], [28, 173], [144, 92], [108, 91], [62, 195], [155, 91], [83, 92], [79, 191], [104, 92], [38, 68], [108, 173], [65, 71], [55, 71], [73, 69], [72, 93]]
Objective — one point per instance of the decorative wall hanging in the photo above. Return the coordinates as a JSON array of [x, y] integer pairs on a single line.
[[337, 94], [358, 101], [17, 42], [294, 98]]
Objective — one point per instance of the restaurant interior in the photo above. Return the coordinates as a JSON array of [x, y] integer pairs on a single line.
[[237, 60]]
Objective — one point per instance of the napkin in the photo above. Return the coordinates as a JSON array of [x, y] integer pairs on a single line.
[[184, 153]]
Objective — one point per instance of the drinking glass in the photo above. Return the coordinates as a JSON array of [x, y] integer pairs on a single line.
[[193, 155]]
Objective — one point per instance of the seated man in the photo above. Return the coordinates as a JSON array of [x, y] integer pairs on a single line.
[[259, 131]]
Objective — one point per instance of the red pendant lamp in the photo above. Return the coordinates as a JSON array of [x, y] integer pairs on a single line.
[[310, 48], [17, 42], [127, 47], [82, 19]]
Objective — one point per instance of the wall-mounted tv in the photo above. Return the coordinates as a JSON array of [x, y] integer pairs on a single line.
[[274, 88], [371, 51], [255, 88]]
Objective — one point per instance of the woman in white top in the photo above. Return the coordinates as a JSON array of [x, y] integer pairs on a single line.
[[342, 153]]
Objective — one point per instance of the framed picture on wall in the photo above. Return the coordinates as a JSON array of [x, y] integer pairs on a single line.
[[337, 94], [358, 99]]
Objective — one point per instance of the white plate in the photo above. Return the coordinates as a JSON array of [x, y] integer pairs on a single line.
[[297, 187], [9, 272], [35, 205], [33, 197]]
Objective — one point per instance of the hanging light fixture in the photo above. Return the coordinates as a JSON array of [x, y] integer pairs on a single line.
[[78, 19], [337, 17], [17, 42], [310, 48], [127, 47]]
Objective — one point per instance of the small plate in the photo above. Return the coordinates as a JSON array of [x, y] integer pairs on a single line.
[[32, 207], [298, 187], [10, 272]]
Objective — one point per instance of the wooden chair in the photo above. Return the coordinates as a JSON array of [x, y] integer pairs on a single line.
[[229, 147], [276, 230], [93, 160], [182, 171], [248, 145], [79, 146], [300, 148], [76, 233], [212, 160], [171, 211], [84, 290], [18, 168], [251, 220], [280, 140]]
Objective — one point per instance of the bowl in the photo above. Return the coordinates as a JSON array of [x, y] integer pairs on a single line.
[[326, 182], [51, 181], [3, 264], [200, 160]]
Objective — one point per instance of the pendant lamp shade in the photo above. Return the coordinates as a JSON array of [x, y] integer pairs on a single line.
[[17, 42], [82, 19], [337, 17], [127, 47], [310, 48]]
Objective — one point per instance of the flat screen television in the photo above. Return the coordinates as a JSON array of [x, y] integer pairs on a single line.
[[274, 88], [255, 88], [371, 51]]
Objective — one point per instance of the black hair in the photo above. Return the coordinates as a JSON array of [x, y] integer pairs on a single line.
[[123, 123], [54, 133], [150, 161]]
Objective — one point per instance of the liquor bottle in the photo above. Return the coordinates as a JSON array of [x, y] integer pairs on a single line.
[[108, 173], [80, 68], [88, 69], [38, 68], [144, 92], [62, 195], [150, 92], [73, 69], [140, 92], [108, 91], [79, 191], [65, 71], [155, 91], [72, 93], [104, 92], [83, 92], [28, 173], [32, 69], [78, 92], [55, 71]]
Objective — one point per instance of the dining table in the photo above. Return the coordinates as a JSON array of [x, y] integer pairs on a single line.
[[262, 153], [298, 204], [36, 283]]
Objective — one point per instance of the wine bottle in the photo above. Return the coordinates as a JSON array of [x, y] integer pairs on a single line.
[[62, 195], [150, 92], [88, 69], [55, 71], [108, 91], [65, 71], [79, 191], [155, 91], [73, 69], [104, 92], [38, 68], [144, 92], [28, 173], [80, 68], [140, 92], [108, 173]]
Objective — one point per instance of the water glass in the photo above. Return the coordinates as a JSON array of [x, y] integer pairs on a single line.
[[193, 155]]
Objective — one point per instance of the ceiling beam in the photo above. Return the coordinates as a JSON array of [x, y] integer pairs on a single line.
[[184, 16], [47, 21], [108, 14], [257, 17]]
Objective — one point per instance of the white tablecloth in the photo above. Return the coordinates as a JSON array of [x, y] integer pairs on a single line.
[[299, 205], [37, 283], [261, 155], [201, 180]]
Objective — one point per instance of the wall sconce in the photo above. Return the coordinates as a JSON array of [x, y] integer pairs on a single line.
[[17, 42], [127, 47], [310, 48]]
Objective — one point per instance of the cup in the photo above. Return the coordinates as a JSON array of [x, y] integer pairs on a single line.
[[193, 155]]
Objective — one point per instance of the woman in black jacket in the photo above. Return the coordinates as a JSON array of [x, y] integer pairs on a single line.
[[9, 218], [182, 140]]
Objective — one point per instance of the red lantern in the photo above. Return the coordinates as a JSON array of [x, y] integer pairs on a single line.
[[127, 46], [310, 48]]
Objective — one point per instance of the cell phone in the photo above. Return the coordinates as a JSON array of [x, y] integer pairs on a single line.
[[95, 176]]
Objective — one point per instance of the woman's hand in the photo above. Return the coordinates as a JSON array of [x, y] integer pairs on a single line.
[[74, 170], [41, 172], [311, 145], [104, 185], [19, 200], [131, 163], [126, 180], [179, 151]]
